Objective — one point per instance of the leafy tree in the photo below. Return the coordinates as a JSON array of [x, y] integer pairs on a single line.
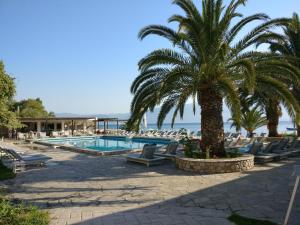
[[51, 114], [251, 120], [32, 108], [8, 118], [210, 61]]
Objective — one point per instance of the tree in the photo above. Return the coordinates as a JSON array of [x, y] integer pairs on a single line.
[[208, 64], [251, 120], [288, 45], [32, 108], [8, 118], [274, 93]]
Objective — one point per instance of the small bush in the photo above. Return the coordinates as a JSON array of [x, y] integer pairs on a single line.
[[233, 153], [6, 173], [240, 220], [20, 215]]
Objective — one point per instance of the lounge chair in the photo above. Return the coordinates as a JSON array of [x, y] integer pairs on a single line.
[[54, 134], [294, 147], [235, 136], [66, 133], [21, 136], [227, 135], [147, 156], [294, 144], [18, 162], [278, 148], [41, 135], [8, 145], [259, 156], [282, 149], [170, 152], [263, 134], [191, 134]]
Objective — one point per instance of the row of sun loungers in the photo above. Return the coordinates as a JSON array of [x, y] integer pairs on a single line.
[[40, 135], [177, 135], [31, 135], [275, 150], [68, 133]]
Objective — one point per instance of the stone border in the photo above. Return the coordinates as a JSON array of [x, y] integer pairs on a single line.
[[211, 166], [88, 151]]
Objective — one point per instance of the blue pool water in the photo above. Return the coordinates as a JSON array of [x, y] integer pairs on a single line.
[[106, 143]]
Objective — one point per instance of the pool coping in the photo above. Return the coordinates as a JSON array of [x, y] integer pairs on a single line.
[[94, 152]]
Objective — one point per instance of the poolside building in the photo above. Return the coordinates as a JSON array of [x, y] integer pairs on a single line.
[[70, 125]]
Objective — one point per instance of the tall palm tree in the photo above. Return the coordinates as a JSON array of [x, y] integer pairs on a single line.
[[270, 96], [288, 45], [209, 62]]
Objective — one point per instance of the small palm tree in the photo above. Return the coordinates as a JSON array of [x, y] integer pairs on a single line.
[[208, 64], [251, 120]]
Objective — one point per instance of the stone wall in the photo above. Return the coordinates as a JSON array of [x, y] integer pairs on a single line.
[[210, 166]]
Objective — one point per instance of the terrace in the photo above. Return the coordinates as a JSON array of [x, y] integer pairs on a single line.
[[82, 189]]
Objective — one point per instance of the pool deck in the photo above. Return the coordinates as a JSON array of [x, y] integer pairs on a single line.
[[91, 190]]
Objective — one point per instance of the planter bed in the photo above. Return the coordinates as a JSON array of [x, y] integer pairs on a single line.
[[211, 166]]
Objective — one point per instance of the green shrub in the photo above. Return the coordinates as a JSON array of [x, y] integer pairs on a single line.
[[233, 153], [6, 173], [20, 215]]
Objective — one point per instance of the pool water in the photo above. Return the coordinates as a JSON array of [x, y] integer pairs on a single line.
[[106, 143]]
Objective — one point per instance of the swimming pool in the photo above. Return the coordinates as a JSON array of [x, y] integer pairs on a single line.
[[104, 143]]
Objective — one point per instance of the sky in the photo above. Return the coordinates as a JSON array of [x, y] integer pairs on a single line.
[[80, 56]]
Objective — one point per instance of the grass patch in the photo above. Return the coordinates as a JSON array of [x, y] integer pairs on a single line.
[[240, 220], [6, 173], [20, 215]]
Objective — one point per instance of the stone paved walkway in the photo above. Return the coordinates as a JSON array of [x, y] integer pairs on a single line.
[[83, 189]]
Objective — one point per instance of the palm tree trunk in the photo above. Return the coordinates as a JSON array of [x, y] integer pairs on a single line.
[[273, 113], [272, 126], [212, 127], [251, 134], [298, 131]]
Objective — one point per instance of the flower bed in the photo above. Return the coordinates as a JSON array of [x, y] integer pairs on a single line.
[[210, 166]]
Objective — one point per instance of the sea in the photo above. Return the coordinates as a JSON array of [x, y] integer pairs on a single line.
[[282, 127]]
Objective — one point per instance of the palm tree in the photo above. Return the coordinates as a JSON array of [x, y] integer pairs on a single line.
[[288, 45], [273, 112], [208, 64], [270, 96], [251, 120]]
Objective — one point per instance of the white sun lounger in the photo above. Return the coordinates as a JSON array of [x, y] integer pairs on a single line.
[[147, 157], [18, 162], [170, 152]]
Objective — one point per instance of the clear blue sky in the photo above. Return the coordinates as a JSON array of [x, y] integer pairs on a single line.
[[81, 56]]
